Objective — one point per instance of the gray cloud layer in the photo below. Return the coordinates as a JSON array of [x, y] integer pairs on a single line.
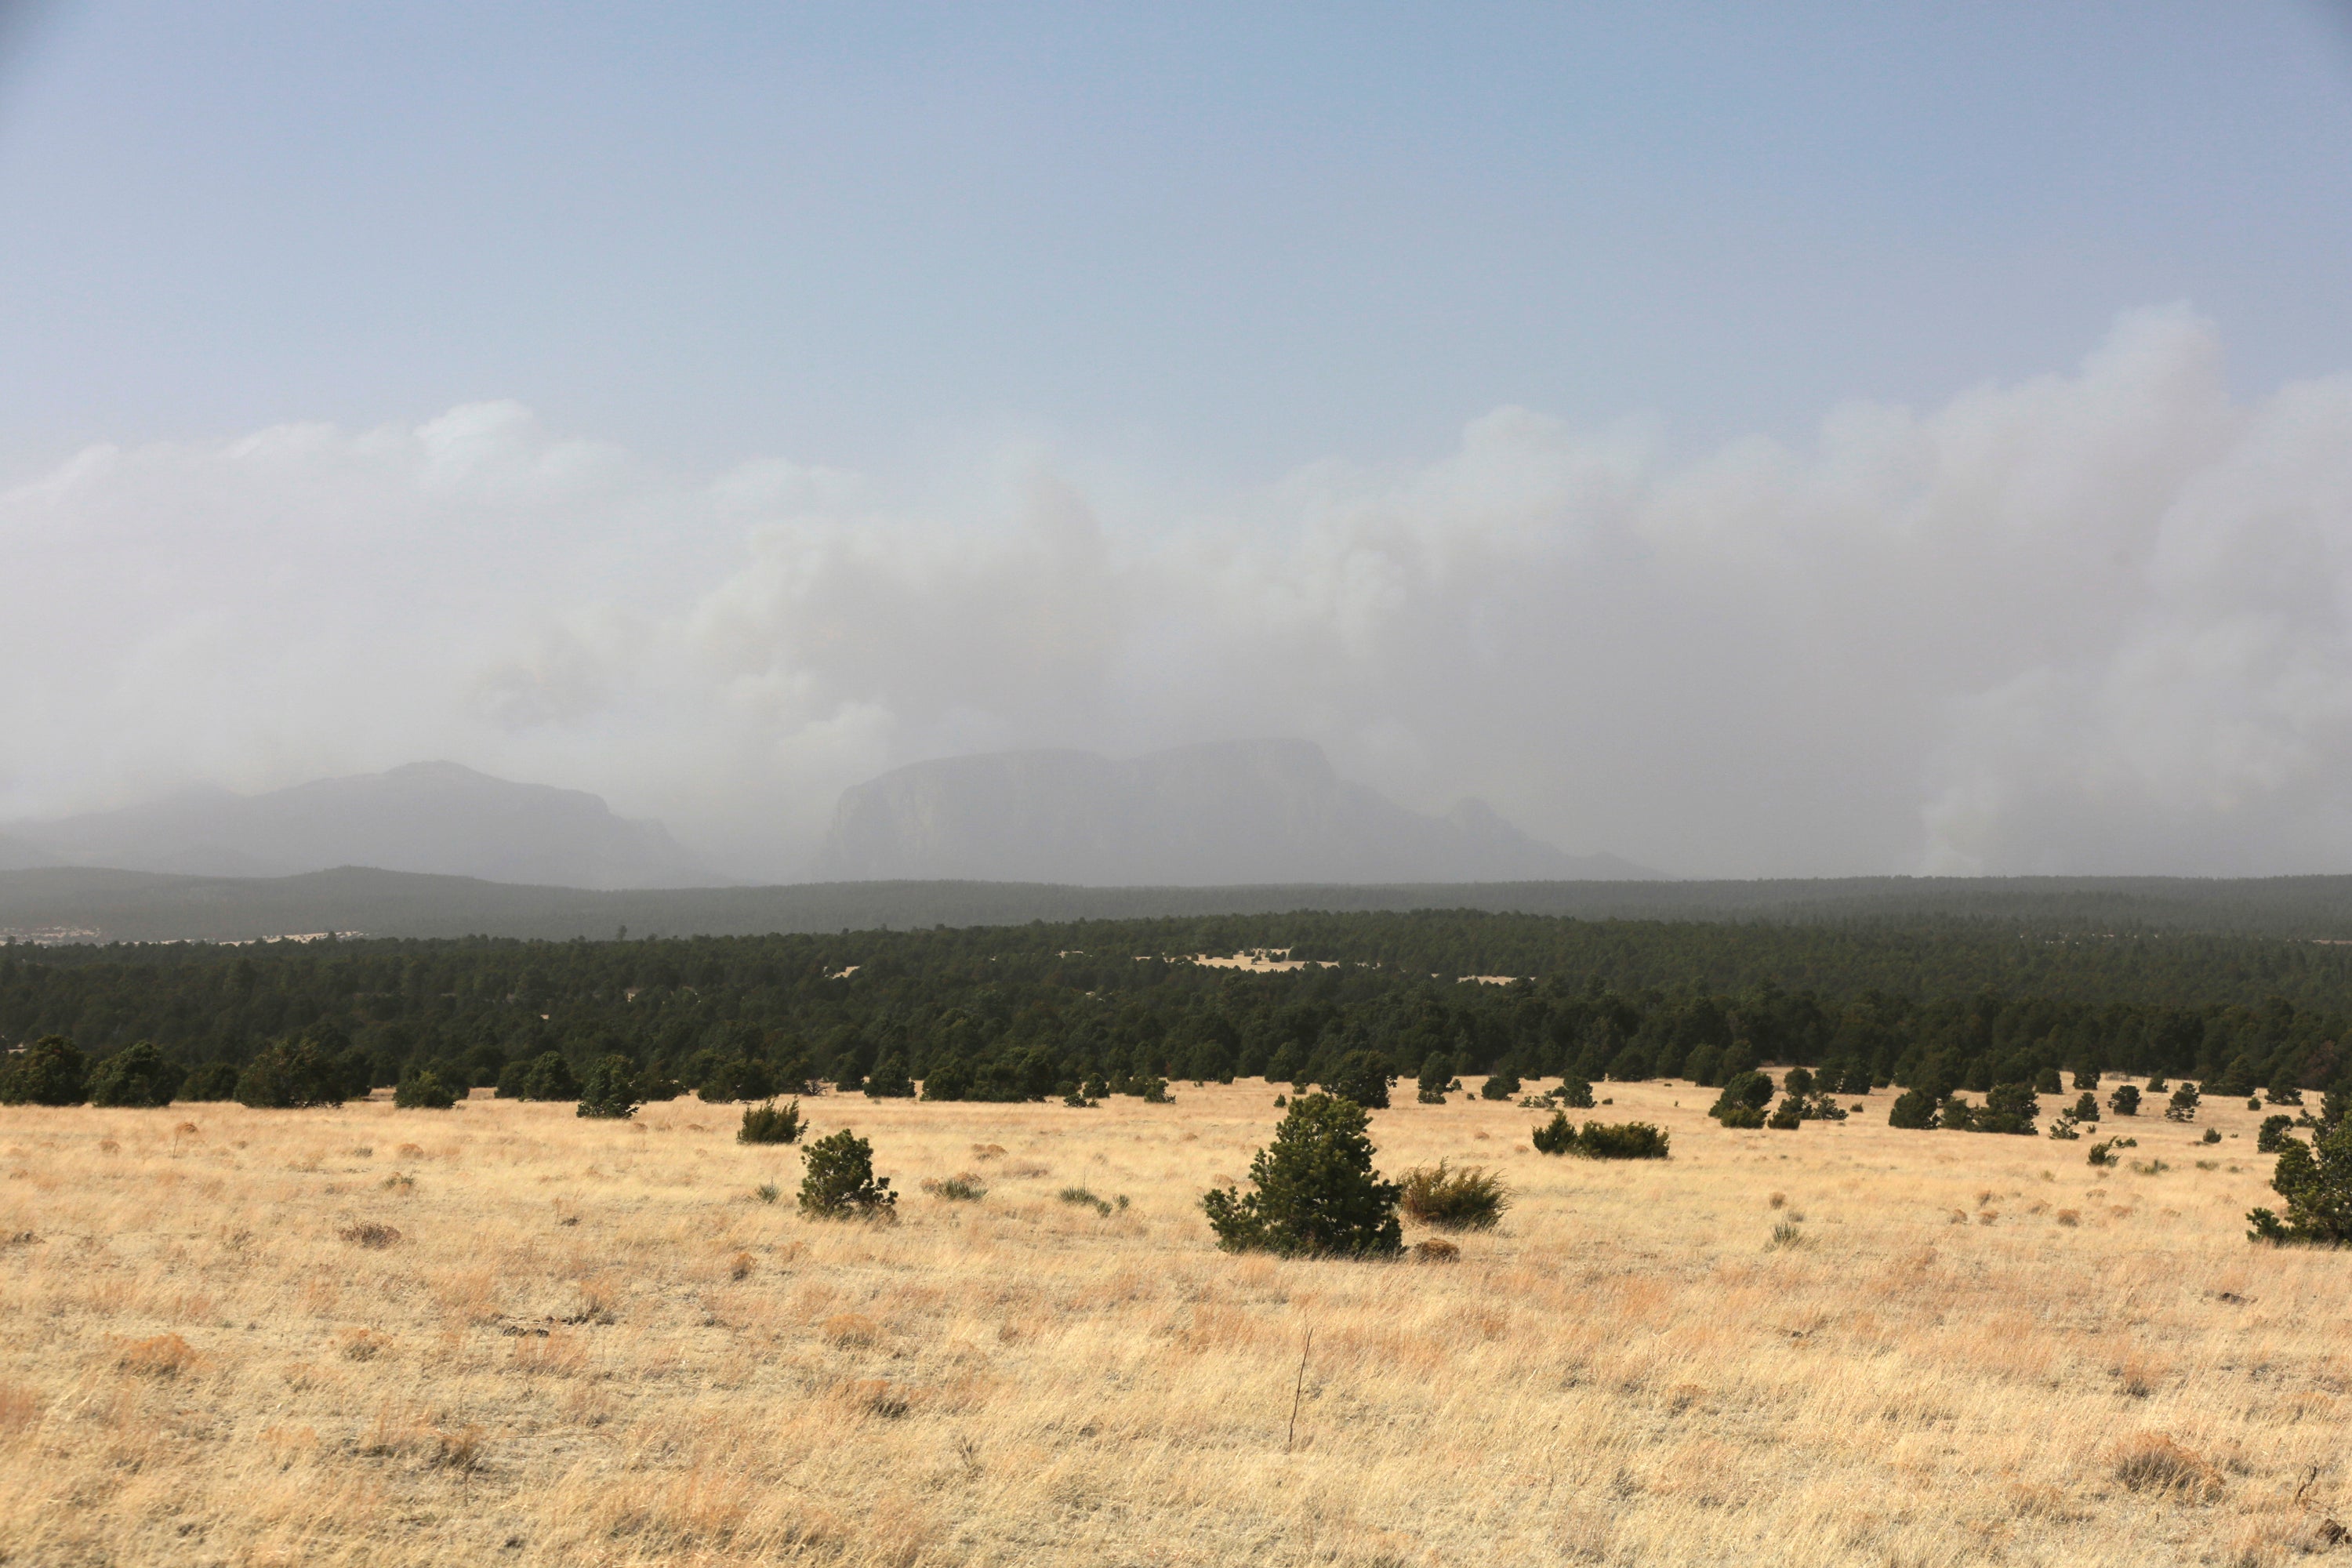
[[2095, 622]]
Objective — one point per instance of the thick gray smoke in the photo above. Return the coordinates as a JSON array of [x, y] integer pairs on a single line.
[[2095, 622]]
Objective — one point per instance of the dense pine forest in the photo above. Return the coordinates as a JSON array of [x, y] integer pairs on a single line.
[[1005, 1013]]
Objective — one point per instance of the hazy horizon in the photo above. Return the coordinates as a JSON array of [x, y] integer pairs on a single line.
[[1881, 440]]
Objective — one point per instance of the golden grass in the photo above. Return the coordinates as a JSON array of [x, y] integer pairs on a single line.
[[591, 1344]]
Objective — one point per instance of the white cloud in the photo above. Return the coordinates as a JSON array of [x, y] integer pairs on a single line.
[[2094, 621]]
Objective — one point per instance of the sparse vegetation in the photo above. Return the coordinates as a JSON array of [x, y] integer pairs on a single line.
[[1468, 1198], [961, 1188]]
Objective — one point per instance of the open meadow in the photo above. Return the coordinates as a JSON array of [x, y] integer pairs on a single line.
[[503, 1334]]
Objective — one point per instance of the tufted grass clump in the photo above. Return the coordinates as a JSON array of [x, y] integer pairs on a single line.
[[961, 1188], [1470, 1198]]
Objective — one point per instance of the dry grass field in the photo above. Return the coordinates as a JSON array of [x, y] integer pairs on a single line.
[[592, 1342]]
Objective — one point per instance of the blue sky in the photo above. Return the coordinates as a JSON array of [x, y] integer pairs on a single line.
[[1747, 439], [1216, 240]]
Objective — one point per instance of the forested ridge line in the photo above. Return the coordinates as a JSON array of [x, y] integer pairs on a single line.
[[1021, 1011]]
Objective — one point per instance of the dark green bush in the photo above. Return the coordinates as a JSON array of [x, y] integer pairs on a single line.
[[51, 1071], [212, 1081], [423, 1090], [1574, 1093], [837, 1180], [610, 1090], [949, 1080], [2086, 1108], [1363, 1077], [1556, 1136], [2007, 1108], [544, 1077], [1316, 1194], [1501, 1084], [1471, 1198], [290, 1077], [2046, 1082], [1436, 1078], [2125, 1101], [889, 1080], [1742, 1101], [2183, 1106], [2273, 1136], [736, 1078], [1913, 1108], [1622, 1140], [2315, 1179], [769, 1123], [1786, 1117], [138, 1073], [1797, 1083]]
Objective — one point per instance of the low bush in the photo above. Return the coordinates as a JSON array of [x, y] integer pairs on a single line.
[[1787, 1116], [423, 1090], [2086, 1108], [838, 1181], [1556, 1136], [888, 1081], [1914, 1108], [2274, 1134], [1501, 1084], [1623, 1140], [1318, 1193], [2125, 1101], [290, 1077], [1471, 1198], [1574, 1093], [1742, 1101], [212, 1081], [770, 1123]]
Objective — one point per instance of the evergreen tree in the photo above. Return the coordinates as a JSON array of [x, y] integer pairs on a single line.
[[1318, 1193], [837, 1180], [138, 1073], [51, 1072], [610, 1090]]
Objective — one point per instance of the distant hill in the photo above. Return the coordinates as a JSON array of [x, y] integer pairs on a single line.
[[81, 904], [1229, 813], [15, 855], [433, 818]]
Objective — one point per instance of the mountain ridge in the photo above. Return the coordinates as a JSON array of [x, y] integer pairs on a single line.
[[430, 818], [1226, 812]]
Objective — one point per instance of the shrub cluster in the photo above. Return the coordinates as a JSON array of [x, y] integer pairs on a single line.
[[1600, 1140]]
